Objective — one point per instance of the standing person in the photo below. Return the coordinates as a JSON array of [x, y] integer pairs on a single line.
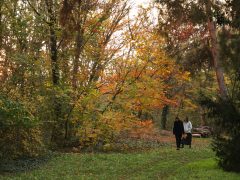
[[178, 131], [188, 130]]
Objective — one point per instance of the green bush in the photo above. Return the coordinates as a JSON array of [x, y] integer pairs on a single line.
[[226, 117], [19, 131], [55, 111], [20, 142]]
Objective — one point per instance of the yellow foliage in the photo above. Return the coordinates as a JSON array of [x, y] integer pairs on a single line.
[[104, 129], [21, 142]]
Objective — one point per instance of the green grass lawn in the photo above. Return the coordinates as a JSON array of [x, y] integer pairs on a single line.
[[161, 163]]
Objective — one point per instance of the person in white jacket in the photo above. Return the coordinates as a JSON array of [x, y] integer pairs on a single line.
[[188, 131]]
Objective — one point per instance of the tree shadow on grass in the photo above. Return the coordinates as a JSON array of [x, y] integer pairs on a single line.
[[25, 164]]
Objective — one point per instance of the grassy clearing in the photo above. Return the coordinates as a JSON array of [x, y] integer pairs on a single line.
[[204, 169], [161, 163]]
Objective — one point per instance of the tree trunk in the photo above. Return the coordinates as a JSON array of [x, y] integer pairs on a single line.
[[53, 43], [2, 63], [215, 52], [78, 50], [164, 116], [1, 28], [54, 64], [203, 116], [139, 115]]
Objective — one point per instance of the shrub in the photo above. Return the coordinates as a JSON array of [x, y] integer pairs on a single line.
[[54, 109], [226, 117], [19, 131], [18, 142], [104, 129]]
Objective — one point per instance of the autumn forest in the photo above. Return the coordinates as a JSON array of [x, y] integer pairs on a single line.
[[111, 76]]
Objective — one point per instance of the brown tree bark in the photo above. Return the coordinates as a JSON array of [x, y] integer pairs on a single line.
[[3, 59], [1, 29], [78, 50], [53, 42], [203, 116], [164, 117], [215, 52], [1, 39], [53, 47]]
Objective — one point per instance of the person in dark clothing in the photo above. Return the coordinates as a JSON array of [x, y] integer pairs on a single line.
[[178, 131]]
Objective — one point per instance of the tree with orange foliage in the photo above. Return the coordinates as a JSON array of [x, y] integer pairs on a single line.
[[140, 82]]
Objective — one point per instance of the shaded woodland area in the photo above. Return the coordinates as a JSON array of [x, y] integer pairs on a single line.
[[85, 74]]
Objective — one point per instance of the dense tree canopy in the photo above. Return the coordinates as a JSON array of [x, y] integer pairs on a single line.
[[82, 73]]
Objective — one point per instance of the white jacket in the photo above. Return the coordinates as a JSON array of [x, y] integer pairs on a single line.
[[187, 127]]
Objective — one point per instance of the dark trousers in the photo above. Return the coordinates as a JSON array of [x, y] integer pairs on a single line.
[[187, 140], [178, 139]]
